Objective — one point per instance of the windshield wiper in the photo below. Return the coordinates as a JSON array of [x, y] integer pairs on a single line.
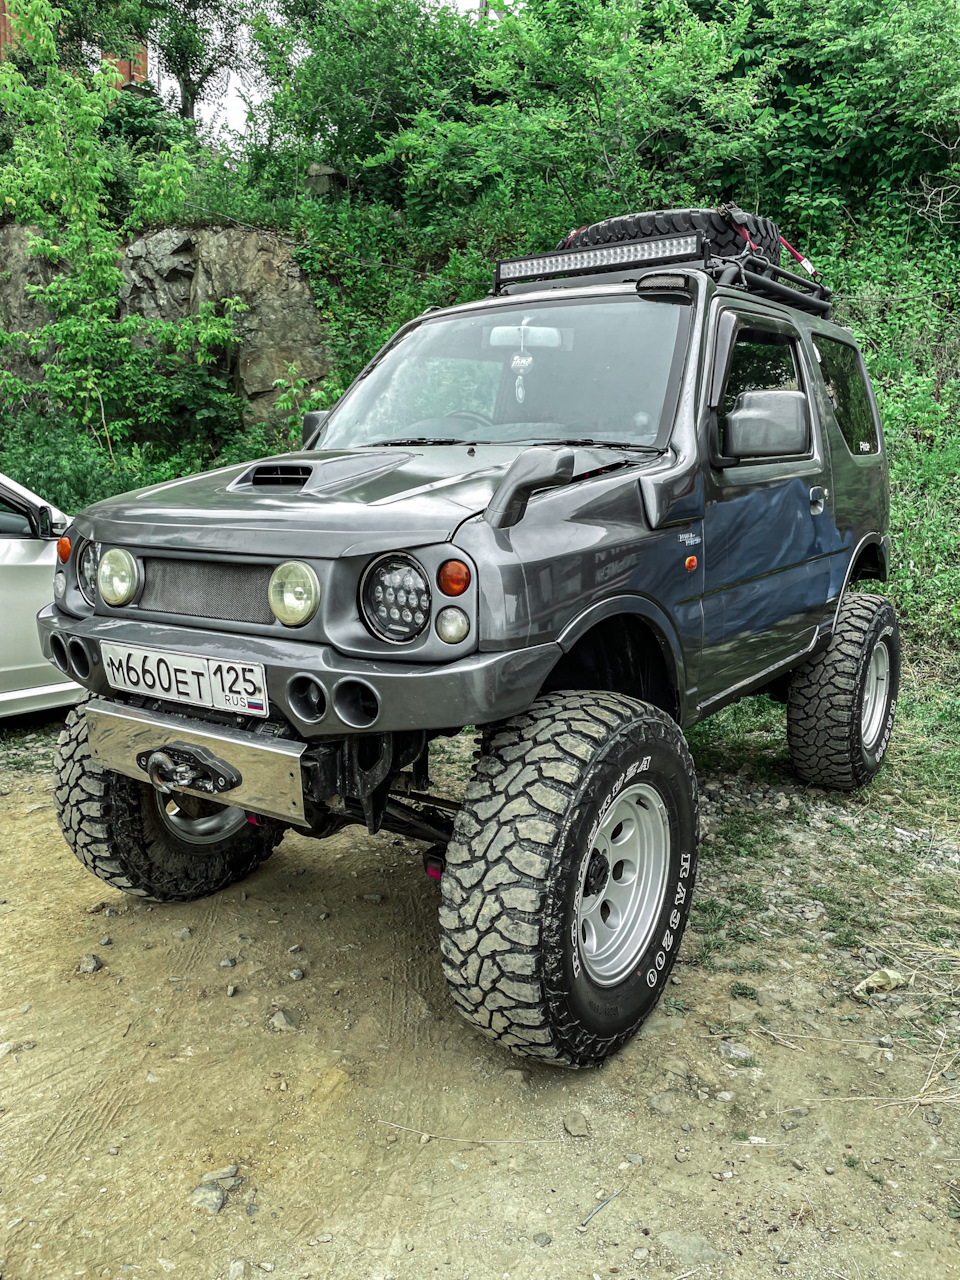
[[387, 444], [587, 443]]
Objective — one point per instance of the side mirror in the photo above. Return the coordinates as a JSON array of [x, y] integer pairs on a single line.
[[768, 424], [313, 424]]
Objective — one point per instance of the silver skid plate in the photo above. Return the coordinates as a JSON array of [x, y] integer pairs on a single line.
[[269, 767]]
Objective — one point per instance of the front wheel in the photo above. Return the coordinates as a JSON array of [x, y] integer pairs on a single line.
[[842, 702], [167, 848], [567, 882]]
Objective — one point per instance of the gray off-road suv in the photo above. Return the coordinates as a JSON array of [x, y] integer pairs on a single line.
[[638, 481]]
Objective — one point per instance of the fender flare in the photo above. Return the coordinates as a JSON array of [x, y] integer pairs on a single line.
[[880, 540], [639, 607]]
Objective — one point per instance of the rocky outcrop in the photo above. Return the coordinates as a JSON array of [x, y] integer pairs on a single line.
[[172, 273], [19, 312]]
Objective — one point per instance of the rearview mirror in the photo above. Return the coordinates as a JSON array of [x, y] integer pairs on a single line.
[[515, 335], [768, 424]]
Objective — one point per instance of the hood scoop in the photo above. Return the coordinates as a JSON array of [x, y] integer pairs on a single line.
[[268, 477], [324, 475]]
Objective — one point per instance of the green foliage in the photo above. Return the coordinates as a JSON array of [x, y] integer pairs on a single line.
[[127, 382]]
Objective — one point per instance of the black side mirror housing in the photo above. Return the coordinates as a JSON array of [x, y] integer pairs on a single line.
[[313, 424], [768, 424]]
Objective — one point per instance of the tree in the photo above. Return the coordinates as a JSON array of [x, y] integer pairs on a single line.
[[198, 43]]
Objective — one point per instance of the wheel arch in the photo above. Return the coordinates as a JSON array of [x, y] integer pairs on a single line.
[[622, 645], [869, 562]]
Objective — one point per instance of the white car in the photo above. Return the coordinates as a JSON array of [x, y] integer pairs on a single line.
[[29, 528]]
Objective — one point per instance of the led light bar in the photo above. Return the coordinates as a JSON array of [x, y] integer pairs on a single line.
[[607, 257]]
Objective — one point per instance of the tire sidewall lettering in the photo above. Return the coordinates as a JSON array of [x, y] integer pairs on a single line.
[[657, 765]]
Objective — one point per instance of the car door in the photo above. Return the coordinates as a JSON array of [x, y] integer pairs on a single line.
[[27, 562], [769, 526]]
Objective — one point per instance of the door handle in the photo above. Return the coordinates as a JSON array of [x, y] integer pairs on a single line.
[[818, 496]]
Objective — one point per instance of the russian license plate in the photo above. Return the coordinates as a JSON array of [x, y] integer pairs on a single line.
[[183, 677]]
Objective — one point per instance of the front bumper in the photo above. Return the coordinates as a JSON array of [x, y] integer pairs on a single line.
[[268, 769], [473, 690]]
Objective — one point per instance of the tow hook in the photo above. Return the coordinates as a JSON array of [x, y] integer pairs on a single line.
[[181, 765]]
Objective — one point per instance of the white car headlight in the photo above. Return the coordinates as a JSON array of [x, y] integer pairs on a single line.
[[118, 577], [87, 572], [293, 593]]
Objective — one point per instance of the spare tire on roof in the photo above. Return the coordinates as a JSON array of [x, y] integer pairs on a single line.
[[724, 238]]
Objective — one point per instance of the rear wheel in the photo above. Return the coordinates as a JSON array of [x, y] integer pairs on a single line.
[[841, 704], [567, 882], [169, 848]]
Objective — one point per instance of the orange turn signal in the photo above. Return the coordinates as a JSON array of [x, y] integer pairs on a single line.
[[453, 578], [63, 550], [690, 563]]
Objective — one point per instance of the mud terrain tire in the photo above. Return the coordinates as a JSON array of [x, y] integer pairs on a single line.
[[114, 826], [841, 703], [725, 241], [568, 880]]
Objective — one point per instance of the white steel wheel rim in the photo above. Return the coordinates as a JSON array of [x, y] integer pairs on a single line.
[[876, 694], [198, 828], [623, 880]]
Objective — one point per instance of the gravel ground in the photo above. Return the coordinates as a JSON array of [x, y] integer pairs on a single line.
[[273, 1080]]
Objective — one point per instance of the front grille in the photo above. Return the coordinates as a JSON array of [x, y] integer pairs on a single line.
[[201, 589]]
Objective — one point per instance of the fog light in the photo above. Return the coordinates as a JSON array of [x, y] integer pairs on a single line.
[[59, 584], [118, 577], [453, 625]]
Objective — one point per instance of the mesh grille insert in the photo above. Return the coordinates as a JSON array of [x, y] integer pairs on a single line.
[[200, 589]]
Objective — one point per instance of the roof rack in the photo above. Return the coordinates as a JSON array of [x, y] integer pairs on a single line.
[[749, 270], [756, 274]]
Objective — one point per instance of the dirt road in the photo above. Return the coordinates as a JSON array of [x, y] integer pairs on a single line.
[[731, 1149]]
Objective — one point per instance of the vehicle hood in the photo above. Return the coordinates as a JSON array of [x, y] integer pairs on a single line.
[[355, 501]]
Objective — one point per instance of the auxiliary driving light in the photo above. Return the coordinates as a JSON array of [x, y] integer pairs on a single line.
[[118, 577], [293, 593], [607, 257]]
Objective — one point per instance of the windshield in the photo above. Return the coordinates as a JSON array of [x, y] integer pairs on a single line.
[[604, 371]]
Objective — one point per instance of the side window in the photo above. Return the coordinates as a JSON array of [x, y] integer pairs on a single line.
[[13, 523], [843, 373], [761, 361]]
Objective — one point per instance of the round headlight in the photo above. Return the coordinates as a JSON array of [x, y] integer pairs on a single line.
[[395, 598], [87, 572], [118, 577], [453, 625], [293, 593]]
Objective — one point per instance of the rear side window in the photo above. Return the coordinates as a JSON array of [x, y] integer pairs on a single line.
[[846, 381]]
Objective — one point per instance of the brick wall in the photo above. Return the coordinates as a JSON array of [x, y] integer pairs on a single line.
[[131, 70]]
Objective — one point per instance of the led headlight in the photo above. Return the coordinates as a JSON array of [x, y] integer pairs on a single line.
[[395, 598], [87, 571], [293, 593], [118, 577]]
